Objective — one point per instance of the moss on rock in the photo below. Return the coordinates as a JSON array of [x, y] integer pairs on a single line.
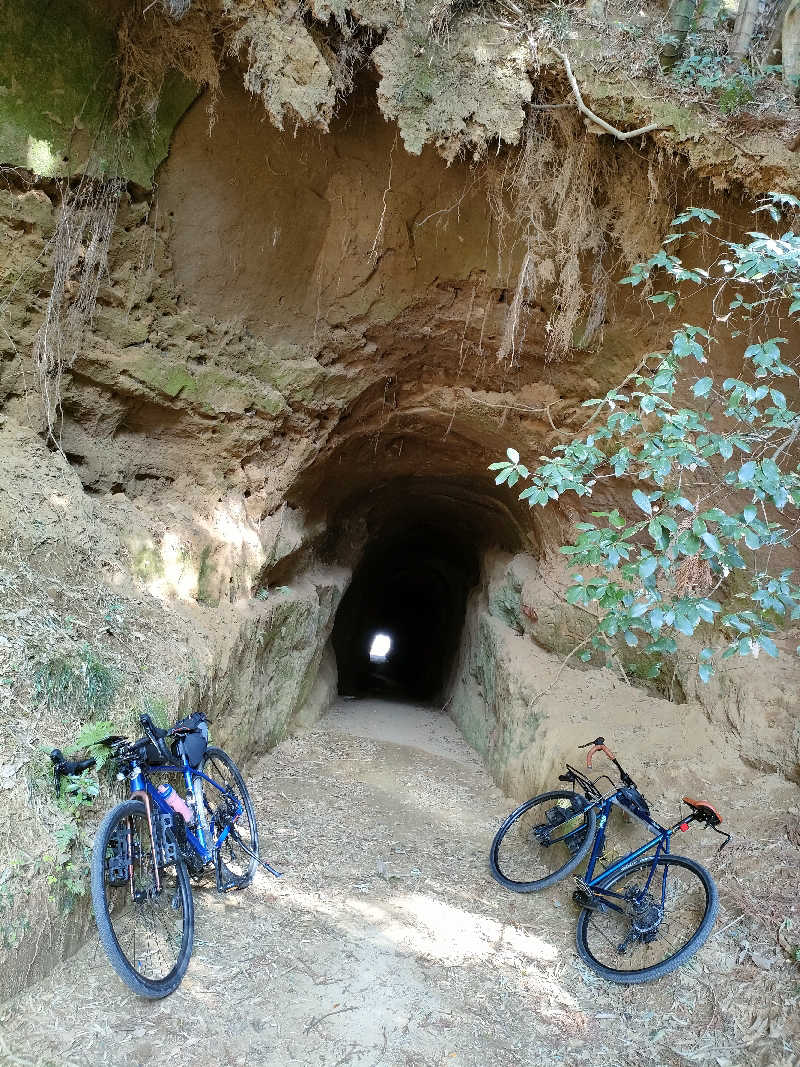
[[58, 83]]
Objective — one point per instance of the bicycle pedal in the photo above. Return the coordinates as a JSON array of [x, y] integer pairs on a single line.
[[229, 882]]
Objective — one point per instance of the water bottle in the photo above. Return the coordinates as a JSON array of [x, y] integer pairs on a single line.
[[176, 802]]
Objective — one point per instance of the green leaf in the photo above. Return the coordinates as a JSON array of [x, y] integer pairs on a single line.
[[705, 670], [768, 645], [513, 455], [683, 624], [746, 471], [616, 520], [703, 387], [643, 501], [712, 542], [648, 566]]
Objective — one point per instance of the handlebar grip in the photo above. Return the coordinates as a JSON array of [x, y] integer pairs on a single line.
[[597, 748]]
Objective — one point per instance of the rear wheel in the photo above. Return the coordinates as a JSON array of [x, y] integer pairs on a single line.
[[236, 857], [542, 841], [146, 923], [649, 938]]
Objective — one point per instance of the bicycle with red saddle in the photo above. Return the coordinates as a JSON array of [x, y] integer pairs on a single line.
[[642, 916]]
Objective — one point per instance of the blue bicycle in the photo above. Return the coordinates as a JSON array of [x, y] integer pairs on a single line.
[[641, 917], [147, 847]]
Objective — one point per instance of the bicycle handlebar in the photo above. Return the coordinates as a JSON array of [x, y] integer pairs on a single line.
[[598, 748], [598, 745], [62, 766]]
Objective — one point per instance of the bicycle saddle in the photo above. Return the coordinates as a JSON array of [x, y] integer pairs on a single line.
[[705, 811]]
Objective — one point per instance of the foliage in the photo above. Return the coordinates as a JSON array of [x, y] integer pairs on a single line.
[[13, 926], [717, 488], [80, 682], [732, 89]]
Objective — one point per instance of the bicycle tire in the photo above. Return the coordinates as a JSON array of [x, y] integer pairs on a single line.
[[111, 903], [232, 856], [683, 953], [497, 862]]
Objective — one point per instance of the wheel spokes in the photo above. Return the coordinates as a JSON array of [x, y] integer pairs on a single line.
[[148, 928], [541, 841], [643, 935]]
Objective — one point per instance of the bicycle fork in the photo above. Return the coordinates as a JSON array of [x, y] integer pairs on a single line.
[[141, 794]]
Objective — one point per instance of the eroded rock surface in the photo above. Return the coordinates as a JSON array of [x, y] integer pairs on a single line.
[[297, 363]]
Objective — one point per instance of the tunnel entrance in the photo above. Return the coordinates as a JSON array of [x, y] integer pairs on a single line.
[[422, 557], [411, 586]]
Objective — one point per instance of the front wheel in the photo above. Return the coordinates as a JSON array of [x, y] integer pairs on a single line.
[[144, 911], [542, 841], [654, 928], [237, 854]]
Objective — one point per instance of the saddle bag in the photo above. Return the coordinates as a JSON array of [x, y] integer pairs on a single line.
[[195, 742]]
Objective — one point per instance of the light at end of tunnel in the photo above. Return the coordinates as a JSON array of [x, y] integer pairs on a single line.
[[380, 648]]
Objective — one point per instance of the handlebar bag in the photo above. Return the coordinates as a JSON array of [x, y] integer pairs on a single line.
[[152, 756]]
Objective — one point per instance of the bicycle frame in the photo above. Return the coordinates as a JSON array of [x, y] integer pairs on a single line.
[[205, 849], [661, 844]]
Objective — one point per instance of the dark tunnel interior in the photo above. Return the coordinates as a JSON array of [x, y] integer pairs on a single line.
[[413, 587], [422, 559]]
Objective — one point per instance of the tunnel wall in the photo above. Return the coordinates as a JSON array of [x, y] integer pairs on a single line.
[[525, 711]]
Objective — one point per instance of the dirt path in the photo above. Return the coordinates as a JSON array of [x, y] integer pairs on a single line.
[[387, 942]]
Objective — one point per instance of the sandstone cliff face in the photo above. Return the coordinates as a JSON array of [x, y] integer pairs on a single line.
[[293, 360]]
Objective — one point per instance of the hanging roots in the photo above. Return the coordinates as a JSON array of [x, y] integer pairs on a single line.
[[693, 576], [79, 256], [572, 199], [150, 44], [177, 8]]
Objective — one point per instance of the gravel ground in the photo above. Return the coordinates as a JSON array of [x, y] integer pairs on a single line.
[[387, 942]]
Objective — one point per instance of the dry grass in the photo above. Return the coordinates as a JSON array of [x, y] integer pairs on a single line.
[[151, 44]]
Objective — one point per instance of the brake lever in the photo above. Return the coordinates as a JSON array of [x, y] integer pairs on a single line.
[[65, 768]]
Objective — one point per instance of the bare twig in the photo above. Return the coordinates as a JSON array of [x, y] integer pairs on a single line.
[[316, 1020], [554, 683]]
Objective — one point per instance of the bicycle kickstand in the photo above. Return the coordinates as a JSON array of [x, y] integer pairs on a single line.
[[258, 859]]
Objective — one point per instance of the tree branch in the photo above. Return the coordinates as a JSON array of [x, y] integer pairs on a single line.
[[605, 126]]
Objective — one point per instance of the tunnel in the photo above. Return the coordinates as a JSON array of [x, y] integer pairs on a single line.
[[421, 557], [412, 586]]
